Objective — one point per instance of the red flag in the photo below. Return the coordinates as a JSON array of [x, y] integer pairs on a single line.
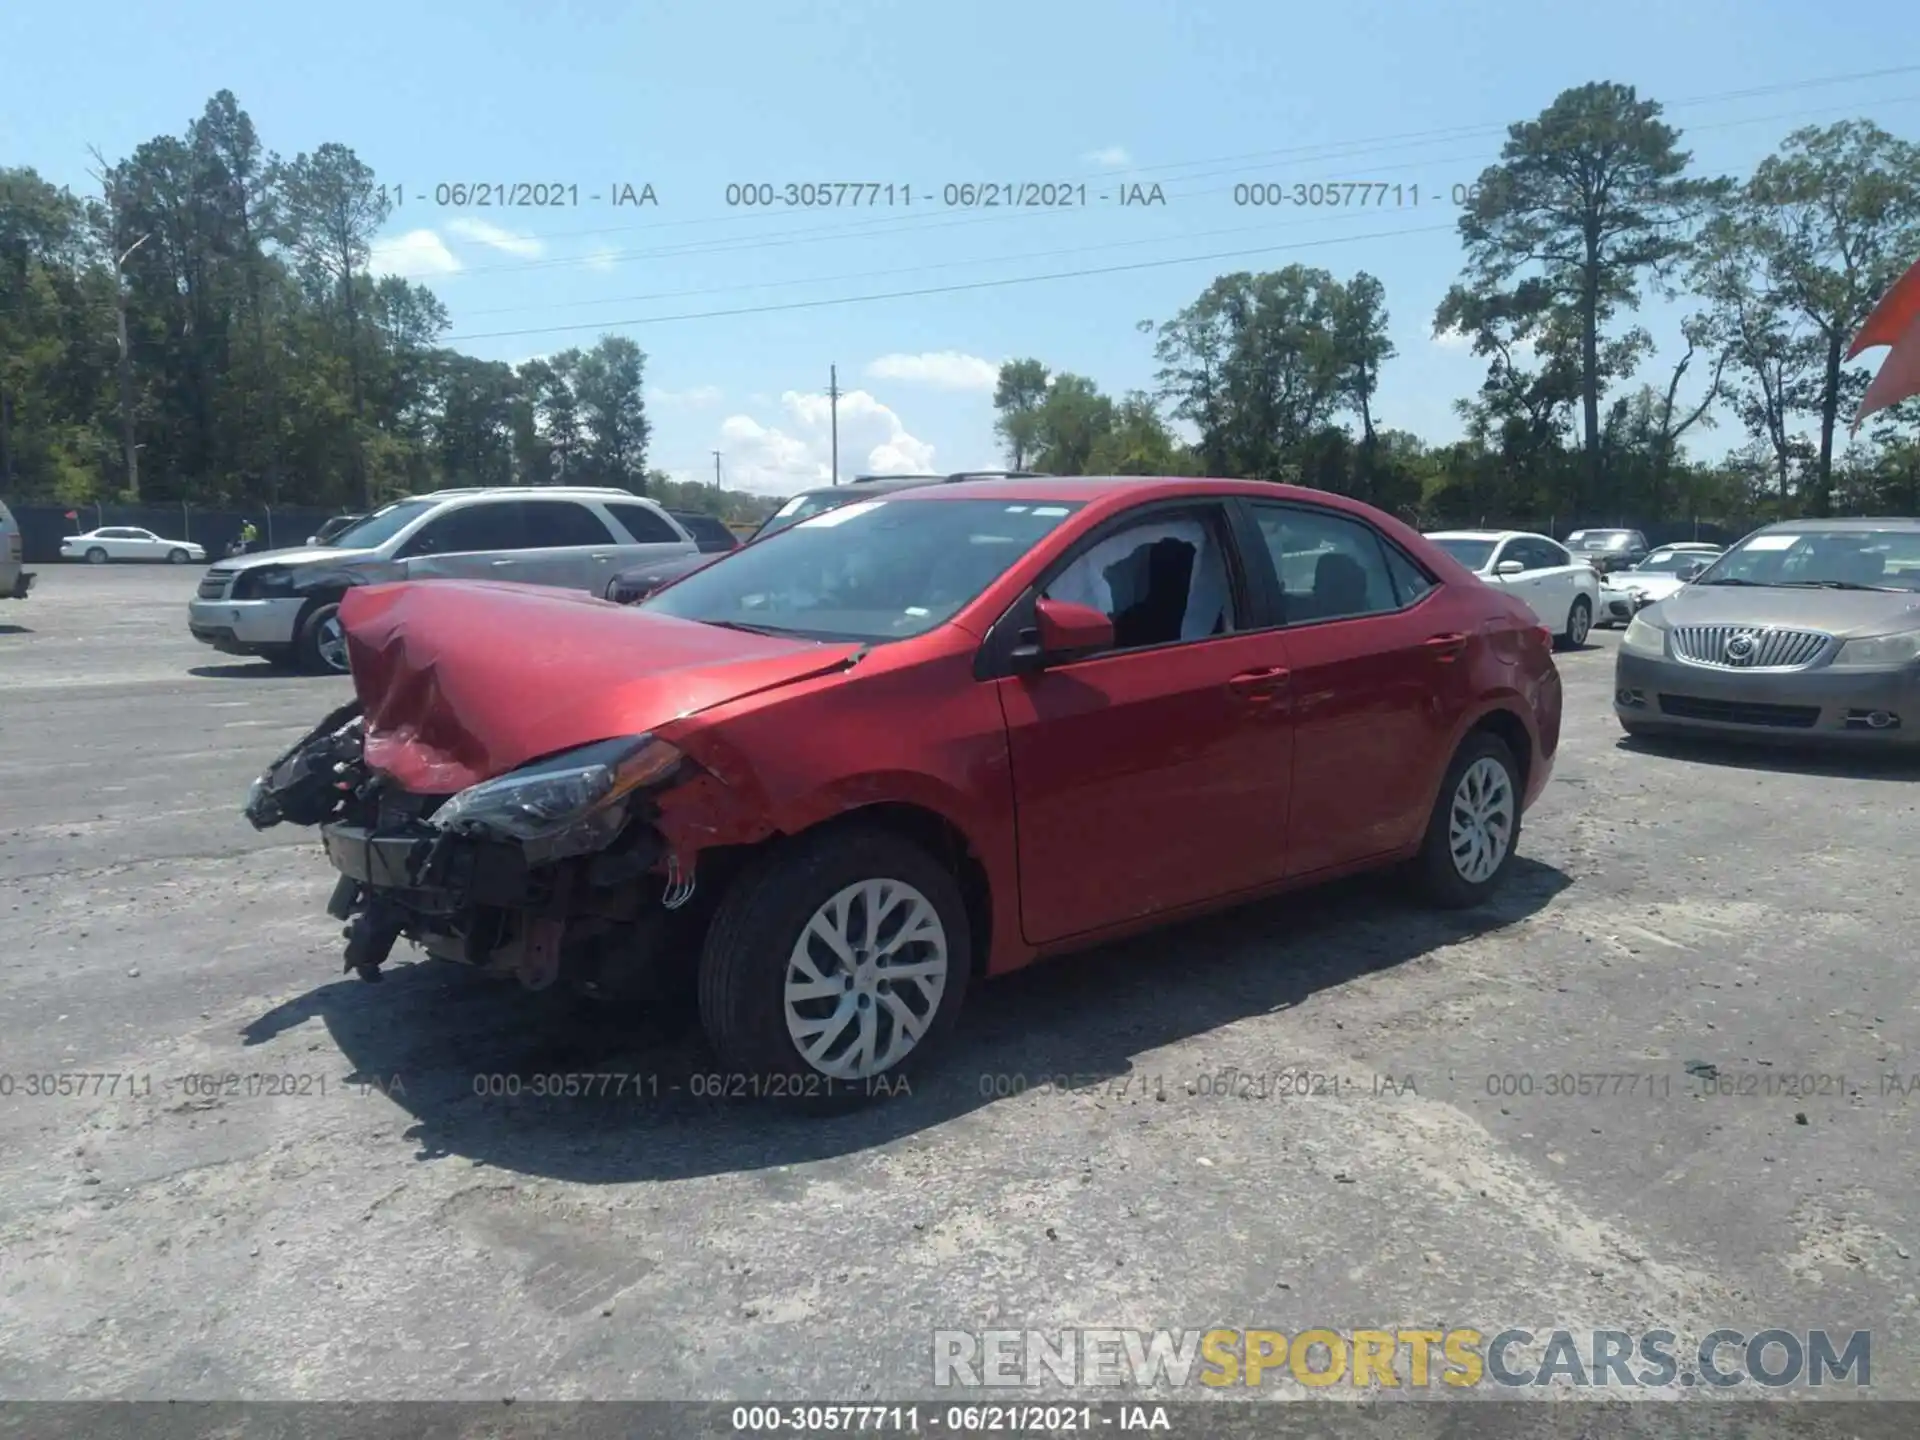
[[73, 514], [1895, 322]]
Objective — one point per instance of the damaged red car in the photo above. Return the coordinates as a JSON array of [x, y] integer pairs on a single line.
[[914, 742]]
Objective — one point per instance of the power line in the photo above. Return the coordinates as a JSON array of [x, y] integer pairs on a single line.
[[886, 227], [954, 289]]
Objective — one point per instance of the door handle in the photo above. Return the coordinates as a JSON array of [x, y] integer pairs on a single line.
[[498, 563], [1446, 647], [600, 557], [1258, 684]]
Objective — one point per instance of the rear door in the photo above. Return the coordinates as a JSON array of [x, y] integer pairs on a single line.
[[1153, 775], [566, 545], [1376, 669]]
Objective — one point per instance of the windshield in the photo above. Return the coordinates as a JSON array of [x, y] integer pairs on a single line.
[[1473, 554], [1829, 558], [1600, 539], [379, 527], [803, 507], [1671, 562], [875, 570]]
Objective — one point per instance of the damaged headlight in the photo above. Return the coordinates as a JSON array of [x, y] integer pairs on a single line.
[[569, 804]]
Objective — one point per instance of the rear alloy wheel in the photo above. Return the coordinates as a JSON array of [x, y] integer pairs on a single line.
[[1475, 825], [322, 646], [177, 557], [832, 969], [96, 556], [1579, 624]]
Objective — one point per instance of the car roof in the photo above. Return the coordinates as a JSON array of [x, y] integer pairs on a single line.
[[1856, 523], [1478, 534], [1083, 488]]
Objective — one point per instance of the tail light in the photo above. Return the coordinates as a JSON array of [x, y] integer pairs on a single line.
[[1546, 635]]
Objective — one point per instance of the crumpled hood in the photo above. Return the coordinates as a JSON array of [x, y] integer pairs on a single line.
[[1847, 613], [462, 681]]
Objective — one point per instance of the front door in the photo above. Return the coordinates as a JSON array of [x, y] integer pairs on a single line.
[[475, 541], [1154, 775]]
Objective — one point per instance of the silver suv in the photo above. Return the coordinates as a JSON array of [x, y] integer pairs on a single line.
[[283, 604]]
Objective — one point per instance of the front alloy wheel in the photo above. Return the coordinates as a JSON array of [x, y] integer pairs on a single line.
[[833, 967], [322, 643], [865, 978]]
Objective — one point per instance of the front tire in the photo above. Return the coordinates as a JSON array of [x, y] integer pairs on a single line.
[[834, 968], [321, 648], [1475, 825], [1579, 624], [96, 556]]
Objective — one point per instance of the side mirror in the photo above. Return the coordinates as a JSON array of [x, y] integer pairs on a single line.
[[1061, 630], [1508, 567]]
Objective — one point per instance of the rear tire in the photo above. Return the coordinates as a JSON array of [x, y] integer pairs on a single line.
[[789, 926], [321, 645], [96, 556], [1475, 826], [177, 557], [1579, 624]]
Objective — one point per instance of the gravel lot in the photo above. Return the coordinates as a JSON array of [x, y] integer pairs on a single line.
[[389, 1233]]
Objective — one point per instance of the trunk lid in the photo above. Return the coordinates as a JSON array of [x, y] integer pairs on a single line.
[[462, 681]]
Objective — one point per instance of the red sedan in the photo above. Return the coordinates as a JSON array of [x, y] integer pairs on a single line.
[[917, 741]]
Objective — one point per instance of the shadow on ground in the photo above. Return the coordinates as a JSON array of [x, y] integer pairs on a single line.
[[438, 1039], [1834, 760], [6, 629]]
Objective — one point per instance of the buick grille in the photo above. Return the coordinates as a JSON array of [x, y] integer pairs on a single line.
[[213, 584], [1748, 647]]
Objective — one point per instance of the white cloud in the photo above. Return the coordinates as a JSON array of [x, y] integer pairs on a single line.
[[698, 395], [1113, 157], [602, 257], [797, 453], [485, 232], [1461, 343], [942, 369], [416, 253]]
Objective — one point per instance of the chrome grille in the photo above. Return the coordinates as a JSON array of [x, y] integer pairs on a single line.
[[213, 584], [1748, 647]]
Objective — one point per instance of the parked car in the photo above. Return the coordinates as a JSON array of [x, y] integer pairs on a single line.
[[641, 581], [1608, 550], [1805, 629], [1625, 592], [923, 738], [126, 542], [284, 604], [1562, 592], [710, 532], [15, 581], [332, 527]]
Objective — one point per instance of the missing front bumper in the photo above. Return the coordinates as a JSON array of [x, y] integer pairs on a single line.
[[430, 871]]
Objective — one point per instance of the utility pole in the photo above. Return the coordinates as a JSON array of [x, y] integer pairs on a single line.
[[833, 397], [716, 469], [110, 193]]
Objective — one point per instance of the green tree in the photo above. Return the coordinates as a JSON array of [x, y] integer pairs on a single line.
[[1834, 217], [1138, 442], [1585, 201], [608, 386], [1017, 397]]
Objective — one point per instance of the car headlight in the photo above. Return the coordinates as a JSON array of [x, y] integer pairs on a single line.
[[267, 583], [1879, 651], [1643, 637], [570, 804]]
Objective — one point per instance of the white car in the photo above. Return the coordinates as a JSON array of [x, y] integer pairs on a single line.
[[1625, 593], [125, 542], [1562, 592]]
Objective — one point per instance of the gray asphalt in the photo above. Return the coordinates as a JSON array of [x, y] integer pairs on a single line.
[[385, 1232]]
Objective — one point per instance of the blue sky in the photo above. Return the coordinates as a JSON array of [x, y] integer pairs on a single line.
[[690, 97]]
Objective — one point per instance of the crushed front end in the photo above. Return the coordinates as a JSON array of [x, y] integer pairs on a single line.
[[552, 870]]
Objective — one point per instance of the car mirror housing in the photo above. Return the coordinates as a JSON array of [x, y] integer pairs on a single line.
[[1061, 630], [1508, 567]]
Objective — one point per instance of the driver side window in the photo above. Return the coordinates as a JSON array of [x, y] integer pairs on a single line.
[[486, 526], [1160, 581]]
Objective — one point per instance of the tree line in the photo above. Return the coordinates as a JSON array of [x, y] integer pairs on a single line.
[[207, 327], [1592, 206]]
